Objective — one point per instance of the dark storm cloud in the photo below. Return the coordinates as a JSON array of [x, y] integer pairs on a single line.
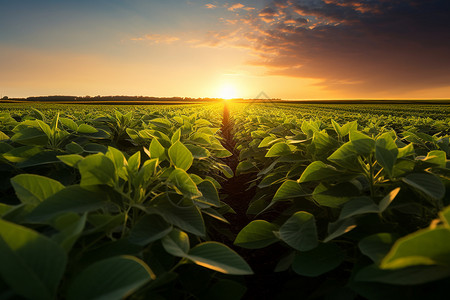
[[362, 46]]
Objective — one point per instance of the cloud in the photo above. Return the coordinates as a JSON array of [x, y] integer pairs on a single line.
[[210, 6], [157, 39], [360, 46], [236, 6]]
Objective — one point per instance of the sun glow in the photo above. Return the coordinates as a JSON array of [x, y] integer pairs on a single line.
[[227, 92]]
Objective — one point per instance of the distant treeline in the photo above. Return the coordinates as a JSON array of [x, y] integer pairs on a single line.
[[111, 99]]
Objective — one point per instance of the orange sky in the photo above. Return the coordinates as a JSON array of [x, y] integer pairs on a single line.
[[289, 49]]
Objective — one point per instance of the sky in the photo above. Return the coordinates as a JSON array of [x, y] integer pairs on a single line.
[[290, 49]]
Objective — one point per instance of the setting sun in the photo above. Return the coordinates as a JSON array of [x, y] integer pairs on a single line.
[[227, 92]]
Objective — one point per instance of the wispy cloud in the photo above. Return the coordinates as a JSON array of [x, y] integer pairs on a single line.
[[210, 6], [157, 39]]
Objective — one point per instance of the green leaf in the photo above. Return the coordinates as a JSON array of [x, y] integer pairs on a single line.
[[358, 206], [97, 169], [362, 143], [406, 151], [279, 149], [176, 243], [69, 123], [436, 157], [335, 195], [318, 171], [156, 150], [71, 227], [176, 136], [180, 156], [71, 199], [198, 152], [339, 228], [147, 170], [245, 167], [187, 218], [21, 154], [288, 190], [71, 159], [257, 234], [209, 193], [31, 264], [220, 258], [346, 157], [377, 246], [424, 247], [300, 231], [386, 152], [428, 184], [134, 162], [30, 136], [184, 183], [148, 229], [74, 148], [318, 261], [86, 129], [34, 189], [3, 136], [387, 200], [405, 276], [113, 278]]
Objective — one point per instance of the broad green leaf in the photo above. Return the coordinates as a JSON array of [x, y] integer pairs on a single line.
[[267, 141], [176, 136], [323, 143], [279, 149], [339, 228], [406, 151], [30, 136], [387, 200], [113, 278], [198, 152], [358, 206], [318, 261], [220, 258], [209, 193], [288, 190], [362, 143], [318, 171], [188, 218], [74, 148], [428, 184], [245, 167], [300, 231], [377, 246], [386, 152], [97, 169], [176, 243], [45, 128], [69, 123], [346, 157], [134, 162], [406, 276], [184, 183], [71, 227], [180, 156], [147, 170], [117, 158], [31, 264], [34, 189], [436, 157], [3, 136], [156, 150], [424, 247], [257, 234], [86, 129], [335, 195], [21, 154], [71, 160], [148, 229], [71, 199]]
